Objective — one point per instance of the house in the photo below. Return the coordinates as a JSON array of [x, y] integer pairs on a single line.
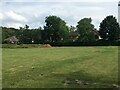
[[11, 39], [74, 35], [97, 34]]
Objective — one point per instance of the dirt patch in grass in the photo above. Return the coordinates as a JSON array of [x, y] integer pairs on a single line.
[[46, 46]]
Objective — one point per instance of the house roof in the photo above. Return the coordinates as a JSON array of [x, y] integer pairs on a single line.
[[96, 32], [74, 33], [12, 39]]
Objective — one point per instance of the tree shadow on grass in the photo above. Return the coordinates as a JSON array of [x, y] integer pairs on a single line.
[[81, 79], [59, 78]]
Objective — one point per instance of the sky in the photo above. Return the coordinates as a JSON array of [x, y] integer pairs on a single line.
[[17, 13]]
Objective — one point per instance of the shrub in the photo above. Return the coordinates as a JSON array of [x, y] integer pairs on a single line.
[[26, 46]]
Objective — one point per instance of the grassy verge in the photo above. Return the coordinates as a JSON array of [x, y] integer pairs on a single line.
[[26, 46], [60, 67]]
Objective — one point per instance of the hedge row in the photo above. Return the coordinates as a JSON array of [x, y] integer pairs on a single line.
[[26, 46], [97, 43]]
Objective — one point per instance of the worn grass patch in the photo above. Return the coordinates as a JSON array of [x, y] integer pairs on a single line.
[[60, 67]]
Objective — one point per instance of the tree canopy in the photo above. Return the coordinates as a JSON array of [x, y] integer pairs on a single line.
[[109, 28], [56, 29], [85, 29], [57, 32]]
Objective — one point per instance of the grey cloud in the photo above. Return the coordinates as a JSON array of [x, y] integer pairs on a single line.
[[72, 12]]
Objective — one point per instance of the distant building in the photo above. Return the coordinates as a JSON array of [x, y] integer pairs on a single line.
[[11, 39], [74, 35], [97, 34]]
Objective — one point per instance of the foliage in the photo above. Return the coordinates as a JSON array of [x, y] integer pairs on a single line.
[[85, 30], [36, 35], [109, 29], [28, 36], [55, 29], [13, 46], [7, 32]]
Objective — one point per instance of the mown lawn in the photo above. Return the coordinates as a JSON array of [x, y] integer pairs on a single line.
[[0, 67], [60, 67]]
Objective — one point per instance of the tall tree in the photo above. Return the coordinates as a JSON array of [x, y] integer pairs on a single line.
[[55, 29], [85, 28], [26, 35], [36, 35], [109, 28]]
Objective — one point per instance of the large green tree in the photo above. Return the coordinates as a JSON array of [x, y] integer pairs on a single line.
[[85, 28], [109, 28], [56, 29], [25, 35], [37, 35]]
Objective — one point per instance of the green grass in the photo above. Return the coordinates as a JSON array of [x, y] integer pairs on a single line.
[[50, 67], [0, 67]]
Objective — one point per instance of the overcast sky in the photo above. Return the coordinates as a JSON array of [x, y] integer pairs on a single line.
[[16, 13]]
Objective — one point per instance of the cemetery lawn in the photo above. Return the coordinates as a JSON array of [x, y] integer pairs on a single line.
[[60, 67]]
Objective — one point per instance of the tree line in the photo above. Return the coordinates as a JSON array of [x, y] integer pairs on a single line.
[[56, 31]]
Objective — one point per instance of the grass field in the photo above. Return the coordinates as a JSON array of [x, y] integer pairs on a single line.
[[0, 67], [60, 67]]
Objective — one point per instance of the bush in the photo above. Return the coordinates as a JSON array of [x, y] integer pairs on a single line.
[[21, 46], [95, 43], [9, 46], [26, 46]]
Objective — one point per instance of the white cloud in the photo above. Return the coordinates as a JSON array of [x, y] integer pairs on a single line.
[[1, 16], [15, 25], [60, 1], [34, 13], [15, 16]]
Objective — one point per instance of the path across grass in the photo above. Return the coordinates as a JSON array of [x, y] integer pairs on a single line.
[[60, 67]]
